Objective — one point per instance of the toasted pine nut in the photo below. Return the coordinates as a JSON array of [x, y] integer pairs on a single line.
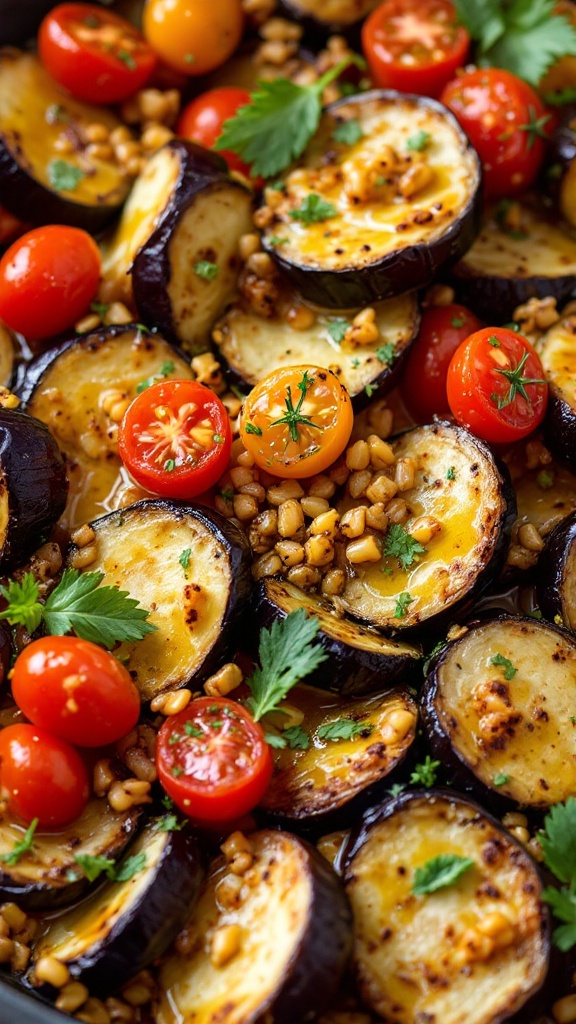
[[290, 517], [305, 576], [319, 550], [326, 522], [321, 486], [228, 891], [83, 535], [237, 842], [123, 795], [353, 522], [381, 488], [225, 944], [313, 506], [424, 528], [267, 565], [376, 518], [358, 456], [416, 178], [224, 681], [290, 552], [52, 971], [284, 491], [397, 510], [530, 538], [15, 917], [398, 724], [140, 765], [564, 1010], [103, 776], [358, 483], [6, 949], [87, 323], [20, 957], [245, 506], [405, 474], [175, 701], [381, 454], [513, 818], [333, 582], [364, 549], [84, 557], [248, 244], [71, 997]]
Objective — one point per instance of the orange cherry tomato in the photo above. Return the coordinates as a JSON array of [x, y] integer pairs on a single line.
[[193, 36], [42, 776], [297, 421]]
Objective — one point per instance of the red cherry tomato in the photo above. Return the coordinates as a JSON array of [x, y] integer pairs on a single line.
[[213, 761], [202, 120], [496, 385], [507, 124], [175, 438], [423, 387], [47, 279], [95, 54], [42, 776], [414, 45], [76, 690]]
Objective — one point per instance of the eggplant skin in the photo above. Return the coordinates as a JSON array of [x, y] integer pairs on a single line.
[[559, 428], [33, 485], [555, 573], [19, 21]]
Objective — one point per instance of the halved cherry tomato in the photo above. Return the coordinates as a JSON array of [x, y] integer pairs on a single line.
[[202, 120], [95, 54], [41, 776], [507, 124], [423, 387], [297, 421], [193, 36], [496, 385], [414, 45], [75, 690], [212, 760], [175, 438], [47, 279]]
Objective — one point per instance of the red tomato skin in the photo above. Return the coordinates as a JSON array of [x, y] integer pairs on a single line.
[[47, 280], [43, 776], [473, 380], [201, 121], [75, 690], [491, 106], [424, 75], [442, 330], [213, 801], [182, 481], [89, 71]]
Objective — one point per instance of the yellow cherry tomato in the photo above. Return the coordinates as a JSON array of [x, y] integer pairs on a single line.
[[297, 421], [193, 36]]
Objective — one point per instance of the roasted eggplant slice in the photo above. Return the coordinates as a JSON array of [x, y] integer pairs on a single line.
[[324, 17], [362, 222], [195, 609], [80, 390], [254, 345], [460, 486], [294, 934], [545, 494], [47, 875], [176, 244], [472, 952], [38, 183], [522, 251], [127, 923], [360, 660], [557, 351], [556, 577], [498, 708], [353, 746], [33, 485]]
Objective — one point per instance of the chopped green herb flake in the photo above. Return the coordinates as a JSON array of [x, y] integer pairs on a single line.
[[348, 132], [251, 428], [176, 771], [396, 788], [401, 545], [424, 773], [500, 779], [169, 465], [369, 390], [277, 240], [184, 558], [439, 872], [127, 59], [64, 177], [337, 328], [343, 729], [509, 669], [206, 270], [192, 730], [450, 473], [386, 353], [545, 479], [273, 739], [218, 439], [419, 141], [313, 210], [493, 340], [22, 847], [296, 737], [402, 602]]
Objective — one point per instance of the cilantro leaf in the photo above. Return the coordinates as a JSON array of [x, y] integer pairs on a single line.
[[342, 729], [400, 544], [443, 870], [206, 270], [484, 20], [103, 615], [558, 841], [337, 327], [287, 654], [273, 739], [169, 823], [402, 601], [418, 141], [130, 867], [509, 669], [424, 774], [348, 132], [297, 737], [64, 177], [314, 209], [24, 608], [386, 353], [94, 866], [275, 127], [563, 904], [25, 844]]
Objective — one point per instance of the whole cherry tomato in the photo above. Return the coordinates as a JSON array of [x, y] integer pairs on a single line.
[[75, 690], [414, 45], [175, 438], [442, 329], [496, 386], [193, 36], [47, 279], [42, 776], [506, 122], [297, 421], [95, 54], [202, 120], [213, 761]]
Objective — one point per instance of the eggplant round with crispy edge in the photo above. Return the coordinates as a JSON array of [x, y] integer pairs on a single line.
[[80, 390], [522, 252], [325, 17], [38, 183], [178, 241], [125, 925], [327, 784], [544, 494], [556, 575], [360, 659], [428, 957], [498, 706], [33, 485], [560, 175], [557, 351], [386, 236], [294, 927], [46, 876], [196, 609], [459, 483], [252, 345]]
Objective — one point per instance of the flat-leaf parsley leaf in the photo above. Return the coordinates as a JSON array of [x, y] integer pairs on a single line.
[[440, 871], [287, 654]]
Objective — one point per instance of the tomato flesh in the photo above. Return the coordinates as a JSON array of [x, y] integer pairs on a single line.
[[213, 760], [414, 45], [496, 385], [75, 690], [94, 53], [175, 438], [297, 421], [41, 776], [202, 120]]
